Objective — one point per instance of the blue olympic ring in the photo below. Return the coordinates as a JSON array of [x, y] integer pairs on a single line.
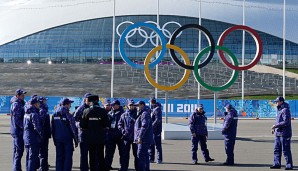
[[154, 28]]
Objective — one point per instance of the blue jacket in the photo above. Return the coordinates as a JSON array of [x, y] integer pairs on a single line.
[[143, 126], [197, 123], [156, 115], [78, 117], [114, 117], [17, 113], [230, 124], [283, 121], [33, 129], [45, 120], [63, 126], [126, 124]]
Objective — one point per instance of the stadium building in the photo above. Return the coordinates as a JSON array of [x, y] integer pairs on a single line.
[[81, 31]]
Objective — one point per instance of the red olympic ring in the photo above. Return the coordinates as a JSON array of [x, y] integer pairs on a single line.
[[259, 47]]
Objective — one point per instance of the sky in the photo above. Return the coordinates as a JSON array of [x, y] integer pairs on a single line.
[[263, 15]]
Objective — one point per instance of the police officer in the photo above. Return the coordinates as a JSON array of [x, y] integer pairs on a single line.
[[33, 134], [156, 115], [283, 134], [94, 122], [198, 128], [17, 113], [114, 136], [64, 132], [46, 125], [82, 134], [143, 135], [229, 132], [126, 126], [108, 106]]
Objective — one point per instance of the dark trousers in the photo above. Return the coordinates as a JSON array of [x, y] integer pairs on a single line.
[[283, 144], [43, 155], [143, 157], [32, 161], [111, 143], [17, 154], [157, 144], [194, 148], [84, 156], [126, 155], [96, 156], [64, 152], [229, 147]]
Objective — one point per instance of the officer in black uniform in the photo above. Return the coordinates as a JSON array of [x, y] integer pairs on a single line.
[[94, 122]]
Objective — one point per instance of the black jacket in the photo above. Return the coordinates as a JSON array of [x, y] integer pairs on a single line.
[[94, 121]]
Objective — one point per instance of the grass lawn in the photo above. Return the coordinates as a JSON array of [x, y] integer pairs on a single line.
[[292, 70]]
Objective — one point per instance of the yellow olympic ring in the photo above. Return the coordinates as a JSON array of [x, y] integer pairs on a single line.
[[152, 81]]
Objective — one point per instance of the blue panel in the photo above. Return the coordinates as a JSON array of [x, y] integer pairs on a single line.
[[182, 107]]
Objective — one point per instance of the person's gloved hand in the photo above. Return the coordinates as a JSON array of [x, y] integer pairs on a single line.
[[194, 134]]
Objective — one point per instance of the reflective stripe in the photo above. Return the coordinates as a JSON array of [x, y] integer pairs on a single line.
[[27, 116], [235, 118], [94, 119], [56, 118]]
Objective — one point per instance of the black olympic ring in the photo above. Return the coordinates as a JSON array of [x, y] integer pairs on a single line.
[[210, 40]]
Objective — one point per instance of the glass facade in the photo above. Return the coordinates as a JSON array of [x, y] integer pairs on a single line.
[[91, 42]]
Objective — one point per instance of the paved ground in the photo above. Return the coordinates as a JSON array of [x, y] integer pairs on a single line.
[[253, 150]]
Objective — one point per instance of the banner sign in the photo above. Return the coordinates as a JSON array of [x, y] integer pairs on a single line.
[[181, 107]]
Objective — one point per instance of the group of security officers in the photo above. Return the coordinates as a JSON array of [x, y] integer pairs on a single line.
[[138, 129], [282, 130], [91, 126], [30, 129], [199, 132]]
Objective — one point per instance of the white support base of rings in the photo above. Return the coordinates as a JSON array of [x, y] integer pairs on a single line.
[[178, 131]]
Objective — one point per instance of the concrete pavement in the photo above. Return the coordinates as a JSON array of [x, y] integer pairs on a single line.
[[253, 150]]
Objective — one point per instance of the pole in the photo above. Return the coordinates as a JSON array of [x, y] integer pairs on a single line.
[[156, 54], [284, 53], [243, 49], [215, 109], [166, 103], [113, 51], [199, 48]]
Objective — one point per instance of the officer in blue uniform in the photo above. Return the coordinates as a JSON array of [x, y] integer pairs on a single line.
[[126, 126], [82, 134], [64, 132], [17, 113], [114, 136], [46, 125], [199, 132], [156, 116], [108, 106], [283, 133], [33, 134], [143, 135], [94, 122], [229, 132]]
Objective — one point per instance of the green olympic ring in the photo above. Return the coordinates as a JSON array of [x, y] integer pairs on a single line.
[[201, 81]]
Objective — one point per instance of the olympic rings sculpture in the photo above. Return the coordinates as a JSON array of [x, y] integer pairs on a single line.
[[186, 65], [144, 34]]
